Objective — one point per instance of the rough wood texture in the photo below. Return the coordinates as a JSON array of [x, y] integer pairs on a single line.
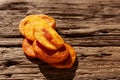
[[92, 27]]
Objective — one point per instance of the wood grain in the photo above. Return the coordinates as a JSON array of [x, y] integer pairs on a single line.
[[91, 27]]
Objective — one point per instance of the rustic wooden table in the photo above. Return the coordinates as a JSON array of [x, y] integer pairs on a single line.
[[92, 27]]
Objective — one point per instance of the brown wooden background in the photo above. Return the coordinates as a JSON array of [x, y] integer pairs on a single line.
[[92, 27]]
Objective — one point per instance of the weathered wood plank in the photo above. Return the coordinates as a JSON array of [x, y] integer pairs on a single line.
[[91, 27], [91, 16], [92, 62], [10, 42], [107, 30]]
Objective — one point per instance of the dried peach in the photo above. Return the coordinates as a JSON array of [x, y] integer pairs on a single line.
[[28, 49], [25, 21], [31, 18], [26, 26], [69, 61], [50, 56], [48, 37], [42, 41], [51, 22], [29, 29]]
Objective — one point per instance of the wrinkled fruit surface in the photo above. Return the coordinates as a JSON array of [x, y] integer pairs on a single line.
[[48, 37], [69, 61], [50, 56], [28, 23], [43, 42], [28, 49]]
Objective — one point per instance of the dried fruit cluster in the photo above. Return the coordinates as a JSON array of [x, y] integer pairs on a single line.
[[43, 42]]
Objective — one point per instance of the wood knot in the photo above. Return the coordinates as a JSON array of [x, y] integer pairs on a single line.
[[9, 63], [8, 75]]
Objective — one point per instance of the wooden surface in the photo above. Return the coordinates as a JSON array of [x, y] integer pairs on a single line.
[[92, 27]]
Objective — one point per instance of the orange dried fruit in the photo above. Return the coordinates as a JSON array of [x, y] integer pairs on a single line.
[[26, 26], [29, 28], [50, 56], [42, 41], [27, 20], [69, 61], [51, 22], [34, 18], [48, 37], [29, 32], [27, 48]]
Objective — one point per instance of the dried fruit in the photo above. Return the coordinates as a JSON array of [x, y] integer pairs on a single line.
[[51, 22], [24, 22], [28, 49], [43, 42], [69, 61], [28, 23], [48, 37], [50, 56]]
